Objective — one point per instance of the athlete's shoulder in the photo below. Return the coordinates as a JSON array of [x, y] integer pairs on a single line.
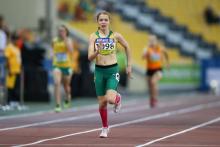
[[146, 49], [118, 35], [69, 40], [162, 48], [92, 36], [149, 48], [55, 39]]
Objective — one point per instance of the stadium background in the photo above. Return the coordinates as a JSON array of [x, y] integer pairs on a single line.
[[193, 44]]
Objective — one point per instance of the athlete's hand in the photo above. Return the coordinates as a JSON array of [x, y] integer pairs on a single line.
[[100, 45], [129, 72]]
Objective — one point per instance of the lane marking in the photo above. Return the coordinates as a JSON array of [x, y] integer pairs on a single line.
[[186, 145], [44, 112], [80, 117], [49, 122], [74, 109], [82, 145], [162, 145], [181, 132], [96, 114], [156, 116]]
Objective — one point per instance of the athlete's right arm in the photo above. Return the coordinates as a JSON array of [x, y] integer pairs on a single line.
[[52, 49], [92, 53], [144, 54]]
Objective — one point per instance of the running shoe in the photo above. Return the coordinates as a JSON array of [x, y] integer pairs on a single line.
[[117, 107], [104, 133], [67, 104], [153, 102], [58, 108]]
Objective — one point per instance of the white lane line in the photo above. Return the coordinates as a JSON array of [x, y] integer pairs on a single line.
[[49, 122], [156, 116], [185, 145], [47, 112], [79, 117], [114, 145], [67, 119], [75, 109], [24, 115], [181, 132], [93, 106], [80, 145]]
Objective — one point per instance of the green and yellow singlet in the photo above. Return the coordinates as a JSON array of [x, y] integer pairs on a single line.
[[109, 43], [62, 57]]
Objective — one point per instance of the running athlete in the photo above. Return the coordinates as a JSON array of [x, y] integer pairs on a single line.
[[62, 66], [154, 54], [102, 48]]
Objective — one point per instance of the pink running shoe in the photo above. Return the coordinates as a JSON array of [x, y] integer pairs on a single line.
[[153, 102], [117, 106]]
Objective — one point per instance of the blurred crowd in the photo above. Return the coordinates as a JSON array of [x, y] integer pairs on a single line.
[[25, 59], [14, 45], [211, 16], [80, 10]]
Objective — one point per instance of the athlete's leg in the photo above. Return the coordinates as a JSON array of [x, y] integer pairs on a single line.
[[104, 116], [57, 83], [153, 87], [114, 98], [150, 90], [100, 91], [103, 110], [155, 79], [111, 96], [67, 87]]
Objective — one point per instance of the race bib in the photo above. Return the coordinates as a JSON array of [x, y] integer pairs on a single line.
[[61, 57], [155, 57], [108, 45]]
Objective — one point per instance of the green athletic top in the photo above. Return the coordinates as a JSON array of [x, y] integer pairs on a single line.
[[109, 43]]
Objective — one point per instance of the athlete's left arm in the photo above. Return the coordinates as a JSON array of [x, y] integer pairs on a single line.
[[166, 57], [125, 44], [69, 44]]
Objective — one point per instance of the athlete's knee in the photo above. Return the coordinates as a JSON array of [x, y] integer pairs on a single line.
[[155, 80], [103, 104], [57, 83], [110, 98], [66, 86], [151, 81], [107, 97]]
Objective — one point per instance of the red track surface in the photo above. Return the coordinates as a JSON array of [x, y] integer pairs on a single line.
[[178, 122]]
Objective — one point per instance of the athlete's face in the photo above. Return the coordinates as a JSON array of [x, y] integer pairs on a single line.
[[103, 21], [153, 40], [62, 32]]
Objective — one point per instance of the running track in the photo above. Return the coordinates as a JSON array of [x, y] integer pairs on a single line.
[[177, 122]]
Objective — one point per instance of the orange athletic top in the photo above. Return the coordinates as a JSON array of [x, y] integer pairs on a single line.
[[154, 58]]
